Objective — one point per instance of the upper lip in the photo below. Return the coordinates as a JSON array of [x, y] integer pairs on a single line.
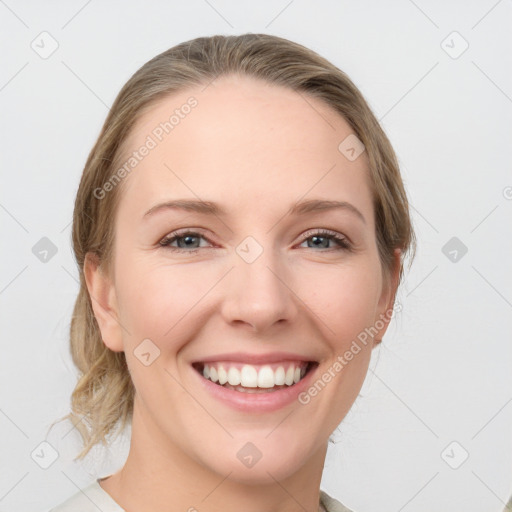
[[244, 357]]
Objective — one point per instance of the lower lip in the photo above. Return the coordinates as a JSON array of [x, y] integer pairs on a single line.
[[257, 402]]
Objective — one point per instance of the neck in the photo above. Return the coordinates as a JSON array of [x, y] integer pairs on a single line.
[[158, 475]]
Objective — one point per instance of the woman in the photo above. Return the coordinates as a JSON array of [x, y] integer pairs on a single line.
[[240, 229]]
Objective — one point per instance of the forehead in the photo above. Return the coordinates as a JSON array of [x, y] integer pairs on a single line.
[[244, 142]]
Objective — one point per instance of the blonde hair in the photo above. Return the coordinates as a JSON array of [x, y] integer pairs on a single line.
[[104, 394]]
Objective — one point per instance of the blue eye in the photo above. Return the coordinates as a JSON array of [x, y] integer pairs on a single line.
[[187, 236], [187, 239], [331, 236]]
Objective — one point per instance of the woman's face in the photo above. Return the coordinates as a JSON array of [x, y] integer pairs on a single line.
[[253, 287]]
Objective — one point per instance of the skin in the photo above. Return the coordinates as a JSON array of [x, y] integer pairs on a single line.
[[255, 149]]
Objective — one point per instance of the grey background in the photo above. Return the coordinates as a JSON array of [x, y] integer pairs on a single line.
[[443, 373]]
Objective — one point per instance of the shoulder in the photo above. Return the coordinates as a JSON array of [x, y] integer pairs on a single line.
[[331, 504], [93, 497], [90, 499]]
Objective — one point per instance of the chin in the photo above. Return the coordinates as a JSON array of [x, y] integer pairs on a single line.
[[261, 461]]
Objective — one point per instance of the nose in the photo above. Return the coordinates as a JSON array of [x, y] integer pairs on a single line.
[[259, 294]]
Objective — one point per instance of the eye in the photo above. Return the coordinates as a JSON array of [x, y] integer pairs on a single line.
[[189, 239], [328, 236]]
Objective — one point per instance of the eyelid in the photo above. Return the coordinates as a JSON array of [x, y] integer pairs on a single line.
[[341, 241], [178, 233], [326, 231]]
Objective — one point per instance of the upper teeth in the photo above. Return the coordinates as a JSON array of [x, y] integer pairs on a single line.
[[251, 376]]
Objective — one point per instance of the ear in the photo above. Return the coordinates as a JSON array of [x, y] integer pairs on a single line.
[[387, 300], [103, 298]]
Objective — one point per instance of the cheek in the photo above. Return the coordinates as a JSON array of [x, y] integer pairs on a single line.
[[165, 302], [343, 298], [157, 301]]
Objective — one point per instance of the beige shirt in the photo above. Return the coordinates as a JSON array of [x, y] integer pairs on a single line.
[[93, 498]]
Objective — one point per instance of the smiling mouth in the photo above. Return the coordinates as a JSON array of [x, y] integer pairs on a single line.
[[248, 378]]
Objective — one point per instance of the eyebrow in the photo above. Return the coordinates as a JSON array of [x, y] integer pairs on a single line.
[[211, 208]]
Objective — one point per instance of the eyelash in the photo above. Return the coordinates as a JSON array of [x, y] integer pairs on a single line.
[[341, 241]]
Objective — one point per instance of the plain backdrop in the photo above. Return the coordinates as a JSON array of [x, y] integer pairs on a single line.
[[432, 428]]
